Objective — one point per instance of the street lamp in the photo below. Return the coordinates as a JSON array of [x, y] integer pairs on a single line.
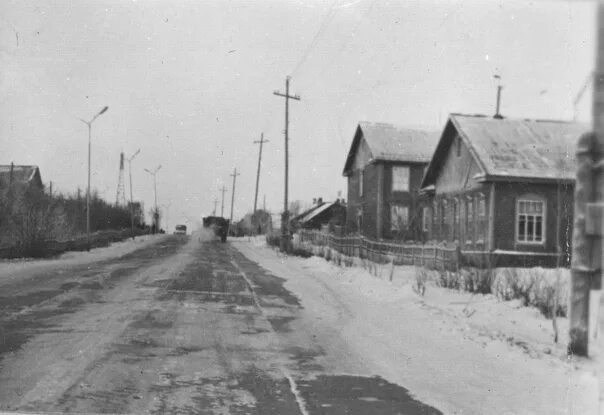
[[131, 199], [155, 213], [89, 124]]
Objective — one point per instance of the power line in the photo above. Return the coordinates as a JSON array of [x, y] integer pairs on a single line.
[[324, 23]]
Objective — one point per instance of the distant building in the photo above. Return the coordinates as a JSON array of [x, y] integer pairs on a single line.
[[322, 214], [14, 176], [384, 167], [503, 186]]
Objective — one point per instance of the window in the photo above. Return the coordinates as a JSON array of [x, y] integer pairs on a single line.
[[361, 178], [530, 216], [458, 146], [456, 215], [426, 220], [435, 219], [400, 179], [481, 218], [469, 219], [399, 217]]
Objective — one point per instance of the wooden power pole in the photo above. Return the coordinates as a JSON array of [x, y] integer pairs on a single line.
[[285, 215], [261, 141], [224, 189], [234, 175], [586, 268]]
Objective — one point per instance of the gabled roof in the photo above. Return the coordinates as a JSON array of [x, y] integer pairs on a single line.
[[512, 148], [388, 142], [21, 174], [312, 213]]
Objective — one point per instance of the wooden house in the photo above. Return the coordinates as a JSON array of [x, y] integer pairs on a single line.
[[384, 167], [18, 177], [504, 186], [322, 214]]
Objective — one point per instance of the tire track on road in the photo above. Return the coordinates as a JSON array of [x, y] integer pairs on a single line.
[[292, 383]]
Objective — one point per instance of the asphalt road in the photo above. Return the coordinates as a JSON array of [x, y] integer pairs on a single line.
[[180, 327]]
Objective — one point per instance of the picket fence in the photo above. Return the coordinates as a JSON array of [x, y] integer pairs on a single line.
[[429, 256]]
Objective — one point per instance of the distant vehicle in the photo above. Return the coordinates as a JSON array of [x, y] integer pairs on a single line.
[[180, 230], [219, 225]]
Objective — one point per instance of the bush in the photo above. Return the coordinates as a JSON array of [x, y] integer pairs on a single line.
[[537, 287], [273, 239]]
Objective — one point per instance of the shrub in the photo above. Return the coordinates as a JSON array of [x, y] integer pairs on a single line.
[[537, 287]]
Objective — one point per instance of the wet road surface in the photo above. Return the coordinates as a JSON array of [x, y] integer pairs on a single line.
[[180, 327]]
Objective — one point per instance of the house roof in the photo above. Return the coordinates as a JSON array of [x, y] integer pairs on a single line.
[[512, 148], [389, 142], [21, 174], [316, 211]]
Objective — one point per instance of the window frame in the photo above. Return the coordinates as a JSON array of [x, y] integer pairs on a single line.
[[361, 180], [426, 219], [470, 216], [408, 184], [404, 225], [543, 215]]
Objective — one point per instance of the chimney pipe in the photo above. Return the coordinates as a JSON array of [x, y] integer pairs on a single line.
[[497, 115]]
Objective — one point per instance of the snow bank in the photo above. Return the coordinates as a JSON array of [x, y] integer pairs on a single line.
[[461, 352], [115, 250]]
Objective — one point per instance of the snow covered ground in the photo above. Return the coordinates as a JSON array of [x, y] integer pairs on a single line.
[[14, 267], [462, 353]]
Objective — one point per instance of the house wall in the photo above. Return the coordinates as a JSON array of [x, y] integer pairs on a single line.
[[458, 195], [458, 171], [506, 196], [369, 201], [409, 199], [357, 203]]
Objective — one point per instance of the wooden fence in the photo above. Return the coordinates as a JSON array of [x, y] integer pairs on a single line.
[[429, 256]]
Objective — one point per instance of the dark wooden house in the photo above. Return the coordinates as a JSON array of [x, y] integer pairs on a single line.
[[384, 167], [504, 186], [322, 214], [18, 177]]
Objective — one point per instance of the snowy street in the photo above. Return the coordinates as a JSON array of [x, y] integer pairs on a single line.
[[498, 358], [176, 325]]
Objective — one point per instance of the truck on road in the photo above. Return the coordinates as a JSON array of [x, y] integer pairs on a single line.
[[219, 225]]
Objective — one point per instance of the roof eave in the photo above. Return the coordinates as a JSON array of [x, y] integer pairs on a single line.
[[510, 178]]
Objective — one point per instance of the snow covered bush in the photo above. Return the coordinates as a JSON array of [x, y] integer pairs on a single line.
[[537, 287]]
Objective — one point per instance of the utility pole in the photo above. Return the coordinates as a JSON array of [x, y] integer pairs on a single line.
[[224, 189], [156, 212], [285, 215], [131, 198], [586, 267], [234, 175], [89, 124], [262, 140], [215, 203]]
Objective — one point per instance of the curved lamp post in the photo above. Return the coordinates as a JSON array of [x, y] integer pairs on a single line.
[[89, 124]]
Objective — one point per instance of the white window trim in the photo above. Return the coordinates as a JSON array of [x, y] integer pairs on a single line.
[[407, 189], [406, 224], [543, 221], [361, 179], [425, 210]]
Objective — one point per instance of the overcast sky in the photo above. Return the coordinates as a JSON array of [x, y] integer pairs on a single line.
[[191, 84]]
